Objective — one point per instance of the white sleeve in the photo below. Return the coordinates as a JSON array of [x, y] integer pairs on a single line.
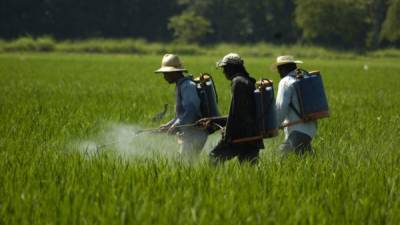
[[283, 99]]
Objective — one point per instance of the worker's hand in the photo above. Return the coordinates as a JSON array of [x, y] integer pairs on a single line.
[[172, 130], [164, 128], [205, 122]]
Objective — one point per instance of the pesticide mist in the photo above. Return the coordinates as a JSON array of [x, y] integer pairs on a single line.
[[125, 140]]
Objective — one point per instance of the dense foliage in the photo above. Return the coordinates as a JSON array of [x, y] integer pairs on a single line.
[[343, 23], [391, 29]]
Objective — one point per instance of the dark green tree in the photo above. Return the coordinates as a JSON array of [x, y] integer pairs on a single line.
[[228, 18], [390, 30], [376, 15], [189, 27], [340, 23], [278, 22], [247, 21], [77, 19]]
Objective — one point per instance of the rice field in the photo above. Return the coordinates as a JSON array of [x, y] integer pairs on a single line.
[[56, 109]]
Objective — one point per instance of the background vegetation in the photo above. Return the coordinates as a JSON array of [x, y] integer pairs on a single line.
[[343, 24], [143, 47], [49, 102]]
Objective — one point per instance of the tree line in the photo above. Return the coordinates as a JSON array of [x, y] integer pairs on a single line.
[[358, 24]]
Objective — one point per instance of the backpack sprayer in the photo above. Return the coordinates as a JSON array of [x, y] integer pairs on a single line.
[[311, 96], [208, 95], [265, 112]]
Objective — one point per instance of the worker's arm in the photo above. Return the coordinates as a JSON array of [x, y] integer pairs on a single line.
[[236, 112], [221, 120], [213, 124], [283, 99]]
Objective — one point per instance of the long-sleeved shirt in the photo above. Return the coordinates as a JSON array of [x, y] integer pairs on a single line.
[[187, 103], [241, 121], [286, 95]]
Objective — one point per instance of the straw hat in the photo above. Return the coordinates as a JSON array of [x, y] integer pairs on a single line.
[[285, 59], [231, 58], [170, 63]]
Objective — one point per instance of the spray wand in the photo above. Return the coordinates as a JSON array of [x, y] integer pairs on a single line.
[[151, 130], [157, 130]]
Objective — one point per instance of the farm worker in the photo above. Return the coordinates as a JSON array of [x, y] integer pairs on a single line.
[[187, 110], [297, 137], [241, 121]]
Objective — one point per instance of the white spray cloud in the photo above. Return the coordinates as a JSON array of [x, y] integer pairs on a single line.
[[87, 147], [124, 140]]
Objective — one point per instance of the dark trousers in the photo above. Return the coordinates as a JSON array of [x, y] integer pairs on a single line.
[[297, 142], [224, 151]]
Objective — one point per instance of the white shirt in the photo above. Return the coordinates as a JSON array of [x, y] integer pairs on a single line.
[[285, 114]]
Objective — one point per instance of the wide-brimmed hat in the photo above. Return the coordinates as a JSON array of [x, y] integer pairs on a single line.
[[231, 58], [285, 59], [171, 63]]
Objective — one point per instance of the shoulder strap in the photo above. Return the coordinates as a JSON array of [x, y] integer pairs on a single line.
[[214, 87], [295, 110], [299, 72], [179, 91]]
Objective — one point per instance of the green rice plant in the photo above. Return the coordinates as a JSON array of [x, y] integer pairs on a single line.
[[54, 106]]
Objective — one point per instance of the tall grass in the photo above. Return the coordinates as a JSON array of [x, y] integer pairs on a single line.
[[28, 44], [48, 101], [143, 47]]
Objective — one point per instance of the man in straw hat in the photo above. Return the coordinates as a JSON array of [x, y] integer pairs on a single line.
[[298, 137], [241, 122], [191, 139]]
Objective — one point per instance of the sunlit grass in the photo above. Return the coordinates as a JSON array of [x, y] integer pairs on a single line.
[[51, 102]]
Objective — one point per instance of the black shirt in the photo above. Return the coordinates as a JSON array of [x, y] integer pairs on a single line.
[[241, 121]]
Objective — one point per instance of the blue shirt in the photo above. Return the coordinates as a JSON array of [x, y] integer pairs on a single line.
[[187, 102]]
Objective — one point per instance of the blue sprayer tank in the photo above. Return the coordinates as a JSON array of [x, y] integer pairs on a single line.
[[311, 95], [208, 95], [265, 108]]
